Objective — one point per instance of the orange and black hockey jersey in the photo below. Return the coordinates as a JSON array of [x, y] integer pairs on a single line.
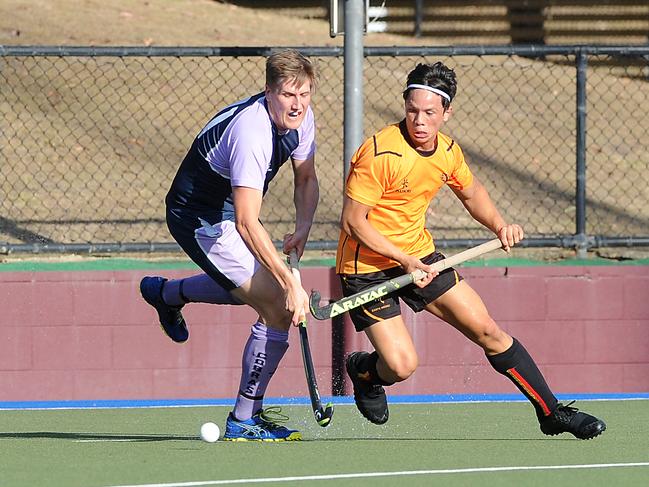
[[389, 175]]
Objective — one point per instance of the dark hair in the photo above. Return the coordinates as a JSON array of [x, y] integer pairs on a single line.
[[436, 75]]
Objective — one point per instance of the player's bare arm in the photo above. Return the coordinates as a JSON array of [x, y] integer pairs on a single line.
[[478, 203], [354, 222], [305, 196], [247, 203]]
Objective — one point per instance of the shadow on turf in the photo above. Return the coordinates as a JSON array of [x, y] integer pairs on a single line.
[[96, 436], [144, 438], [393, 438]]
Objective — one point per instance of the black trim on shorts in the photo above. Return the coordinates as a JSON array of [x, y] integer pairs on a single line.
[[388, 307]]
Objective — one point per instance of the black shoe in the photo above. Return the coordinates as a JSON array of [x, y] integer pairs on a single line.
[[370, 398], [566, 419], [171, 319]]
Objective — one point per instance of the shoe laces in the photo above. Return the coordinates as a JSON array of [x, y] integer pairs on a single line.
[[273, 415], [565, 413]]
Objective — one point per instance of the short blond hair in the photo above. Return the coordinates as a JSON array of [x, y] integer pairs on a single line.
[[289, 65]]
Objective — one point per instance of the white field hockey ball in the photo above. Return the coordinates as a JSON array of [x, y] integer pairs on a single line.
[[210, 432]]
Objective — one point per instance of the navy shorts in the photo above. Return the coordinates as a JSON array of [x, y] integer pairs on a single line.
[[388, 306]]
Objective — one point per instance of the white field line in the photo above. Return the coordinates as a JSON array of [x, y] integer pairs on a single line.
[[390, 474]]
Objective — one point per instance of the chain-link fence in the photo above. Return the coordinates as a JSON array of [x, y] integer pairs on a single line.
[[92, 137]]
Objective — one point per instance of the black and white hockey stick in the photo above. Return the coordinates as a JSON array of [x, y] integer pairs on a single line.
[[378, 291], [322, 414]]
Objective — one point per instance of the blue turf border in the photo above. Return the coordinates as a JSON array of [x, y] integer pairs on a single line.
[[289, 401]]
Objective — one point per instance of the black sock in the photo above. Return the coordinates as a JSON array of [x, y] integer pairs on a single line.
[[517, 365], [368, 364]]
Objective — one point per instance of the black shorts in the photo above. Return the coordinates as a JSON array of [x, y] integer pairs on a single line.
[[388, 306]]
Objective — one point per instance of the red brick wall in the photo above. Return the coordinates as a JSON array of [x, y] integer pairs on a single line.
[[88, 335]]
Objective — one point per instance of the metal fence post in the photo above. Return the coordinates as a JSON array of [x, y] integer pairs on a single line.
[[581, 240], [337, 355], [419, 15], [353, 72]]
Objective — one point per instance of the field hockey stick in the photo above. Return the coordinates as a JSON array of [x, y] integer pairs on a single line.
[[387, 287], [322, 414]]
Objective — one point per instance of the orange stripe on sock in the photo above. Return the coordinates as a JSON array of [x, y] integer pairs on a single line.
[[513, 373]]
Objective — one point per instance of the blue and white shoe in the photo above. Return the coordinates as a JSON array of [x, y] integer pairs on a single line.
[[263, 426], [171, 319]]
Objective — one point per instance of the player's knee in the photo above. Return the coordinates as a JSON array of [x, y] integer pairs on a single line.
[[490, 335], [278, 318], [404, 368]]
